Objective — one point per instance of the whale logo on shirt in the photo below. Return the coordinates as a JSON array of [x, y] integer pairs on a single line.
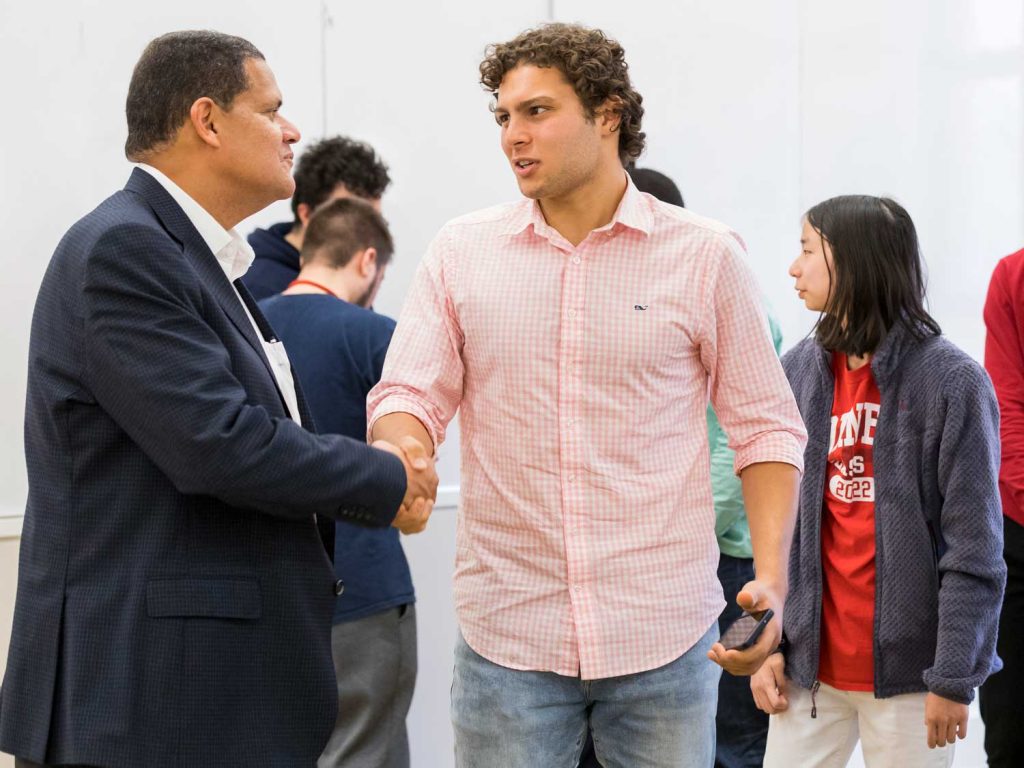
[[640, 307]]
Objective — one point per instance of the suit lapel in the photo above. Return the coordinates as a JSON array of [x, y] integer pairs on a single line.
[[268, 332], [210, 273]]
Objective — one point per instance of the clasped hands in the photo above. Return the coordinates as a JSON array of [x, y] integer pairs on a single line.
[[421, 486]]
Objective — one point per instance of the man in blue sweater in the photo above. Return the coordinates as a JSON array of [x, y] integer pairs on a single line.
[[337, 348], [334, 168]]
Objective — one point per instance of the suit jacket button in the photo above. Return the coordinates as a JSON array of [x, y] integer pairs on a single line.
[[339, 587]]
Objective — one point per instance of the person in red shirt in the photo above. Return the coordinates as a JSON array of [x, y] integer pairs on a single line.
[[1001, 707], [895, 578]]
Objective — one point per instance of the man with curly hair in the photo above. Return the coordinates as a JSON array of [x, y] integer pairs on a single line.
[[333, 168], [581, 330]]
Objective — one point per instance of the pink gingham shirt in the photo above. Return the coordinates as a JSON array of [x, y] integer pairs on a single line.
[[586, 535]]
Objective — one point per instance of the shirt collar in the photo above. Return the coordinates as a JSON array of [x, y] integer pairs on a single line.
[[233, 253], [634, 212]]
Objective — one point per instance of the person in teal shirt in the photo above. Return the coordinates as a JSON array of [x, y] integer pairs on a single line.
[[742, 729]]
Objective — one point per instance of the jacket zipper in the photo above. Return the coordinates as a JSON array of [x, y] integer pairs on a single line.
[[876, 662], [830, 381], [880, 430]]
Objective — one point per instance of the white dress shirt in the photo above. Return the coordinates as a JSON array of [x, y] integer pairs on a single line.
[[235, 256]]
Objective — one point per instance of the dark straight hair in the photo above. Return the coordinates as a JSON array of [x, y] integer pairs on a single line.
[[876, 279]]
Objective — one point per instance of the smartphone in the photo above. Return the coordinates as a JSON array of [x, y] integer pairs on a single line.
[[745, 631]]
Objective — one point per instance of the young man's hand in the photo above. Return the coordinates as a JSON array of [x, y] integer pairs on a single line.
[[421, 490], [945, 719], [755, 598], [768, 685], [413, 518]]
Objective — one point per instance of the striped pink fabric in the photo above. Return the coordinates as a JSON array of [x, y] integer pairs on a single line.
[[586, 542]]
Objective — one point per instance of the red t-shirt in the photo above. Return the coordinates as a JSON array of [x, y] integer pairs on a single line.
[[1004, 360], [848, 533]]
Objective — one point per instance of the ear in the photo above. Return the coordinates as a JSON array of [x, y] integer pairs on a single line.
[[367, 262], [611, 114], [304, 211], [204, 117]]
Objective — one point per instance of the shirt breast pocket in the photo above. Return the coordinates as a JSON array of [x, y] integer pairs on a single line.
[[638, 338]]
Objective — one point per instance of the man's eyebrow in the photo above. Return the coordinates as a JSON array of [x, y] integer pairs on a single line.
[[525, 104], [532, 102]]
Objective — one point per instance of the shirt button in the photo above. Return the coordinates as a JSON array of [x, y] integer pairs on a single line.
[[578, 588], [572, 478], [576, 259], [339, 587], [572, 313]]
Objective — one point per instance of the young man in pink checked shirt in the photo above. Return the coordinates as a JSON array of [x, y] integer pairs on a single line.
[[580, 331]]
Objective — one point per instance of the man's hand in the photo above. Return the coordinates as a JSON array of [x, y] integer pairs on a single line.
[[423, 480], [413, 518], [945, 720], [421, 486], [768, 685], [755, 598]]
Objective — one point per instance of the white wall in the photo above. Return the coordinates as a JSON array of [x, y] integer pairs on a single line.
[[922, 100], [758, 110]]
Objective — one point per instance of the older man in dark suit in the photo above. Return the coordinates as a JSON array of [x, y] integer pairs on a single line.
[[174, 598]]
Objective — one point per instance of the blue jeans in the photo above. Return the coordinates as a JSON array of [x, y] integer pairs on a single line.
[[742, 727], [661, 718]]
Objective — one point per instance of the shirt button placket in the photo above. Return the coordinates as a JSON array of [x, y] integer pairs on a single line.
[[570, 395]]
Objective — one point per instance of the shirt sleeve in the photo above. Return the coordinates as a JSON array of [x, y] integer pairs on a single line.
[[423, 371], [726, 488], [749, 390]]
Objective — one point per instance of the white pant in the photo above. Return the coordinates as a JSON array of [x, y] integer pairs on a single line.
[[892, 732]]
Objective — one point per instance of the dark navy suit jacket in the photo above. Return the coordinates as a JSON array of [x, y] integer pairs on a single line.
[[174, 598]]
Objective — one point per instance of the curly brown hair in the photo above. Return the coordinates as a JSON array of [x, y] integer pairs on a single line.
[[594, 65]]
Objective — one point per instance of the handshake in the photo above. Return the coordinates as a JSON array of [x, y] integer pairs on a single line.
[[421, 486]]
